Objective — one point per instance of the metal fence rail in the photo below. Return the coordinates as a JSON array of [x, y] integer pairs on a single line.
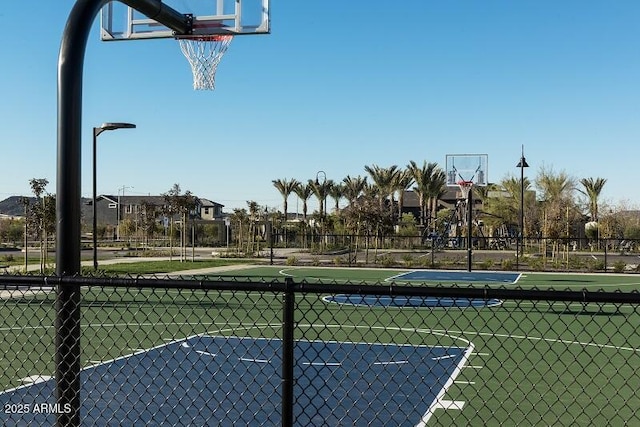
[[180, 352]]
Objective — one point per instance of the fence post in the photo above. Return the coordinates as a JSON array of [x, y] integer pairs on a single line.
[[287, 352]]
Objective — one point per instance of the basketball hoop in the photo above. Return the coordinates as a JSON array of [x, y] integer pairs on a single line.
[[204, 53], [465, 188]]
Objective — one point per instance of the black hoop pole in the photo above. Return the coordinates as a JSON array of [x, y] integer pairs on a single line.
[[68, 189]]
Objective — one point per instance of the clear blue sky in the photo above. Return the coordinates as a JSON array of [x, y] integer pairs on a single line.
[[336, 86]]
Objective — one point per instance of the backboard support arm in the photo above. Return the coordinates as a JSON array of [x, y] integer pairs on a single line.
[[68, 190]]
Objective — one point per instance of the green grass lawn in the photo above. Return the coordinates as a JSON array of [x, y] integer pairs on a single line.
[[533, 363]]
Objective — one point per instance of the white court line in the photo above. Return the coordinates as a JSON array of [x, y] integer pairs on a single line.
[[400, 362], [244, 359], [206, 353], [439, 402], [450, 356], [322, 363]]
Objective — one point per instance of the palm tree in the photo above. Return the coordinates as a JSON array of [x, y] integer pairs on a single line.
[[557, 201], [303, 191], [592, 189], [402, 181], [436, 189], [353, 187], [320, 190], [285, 187], [424, 188], [254, 217], [383, 178], [336, 192]]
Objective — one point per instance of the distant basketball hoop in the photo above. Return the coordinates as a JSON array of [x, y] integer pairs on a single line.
[[465, 188]]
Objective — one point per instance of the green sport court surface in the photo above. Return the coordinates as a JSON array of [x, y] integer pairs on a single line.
[[525, 280], [533, 363]]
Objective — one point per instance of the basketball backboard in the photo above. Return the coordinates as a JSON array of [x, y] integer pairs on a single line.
[[210, 17], [467, 167]]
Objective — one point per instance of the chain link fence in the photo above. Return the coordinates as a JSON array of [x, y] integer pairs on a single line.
[[190, 352]]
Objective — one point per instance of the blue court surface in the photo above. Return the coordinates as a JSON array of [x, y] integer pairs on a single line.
[[403, 301], [433, 276], [206, 380], [458, 276]]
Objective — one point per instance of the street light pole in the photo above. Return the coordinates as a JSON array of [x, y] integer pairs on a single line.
[[521, 164], [97, 131]]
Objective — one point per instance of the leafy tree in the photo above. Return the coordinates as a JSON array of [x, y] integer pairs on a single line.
[[179, 204], [240, 218], [39, 217], [149, 221], [11, 230]]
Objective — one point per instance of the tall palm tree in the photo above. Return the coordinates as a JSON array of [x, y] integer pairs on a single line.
[[553, 186], [437, 188], [383, 179], [402, 181], [592, 189], [353, 187], [556, 191], [320, 190], [304, 192], [254, 217], [424, 188], [285, 187], [336, 192]]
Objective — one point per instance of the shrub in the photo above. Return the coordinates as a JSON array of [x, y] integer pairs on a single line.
[[407, 260], [535, 264], [595, 265], [292, 260], [507, 264], [486, 264], [386, 260], [619, 266], [315, 261], [576, 263]]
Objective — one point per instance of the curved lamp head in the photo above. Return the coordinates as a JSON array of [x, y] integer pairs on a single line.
[[112, 126]]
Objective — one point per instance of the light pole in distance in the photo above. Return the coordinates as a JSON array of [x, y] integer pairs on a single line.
[[521, 164], [97, 131]]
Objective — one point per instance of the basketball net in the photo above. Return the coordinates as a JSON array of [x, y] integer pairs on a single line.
[[204, 54], [465, 187]]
